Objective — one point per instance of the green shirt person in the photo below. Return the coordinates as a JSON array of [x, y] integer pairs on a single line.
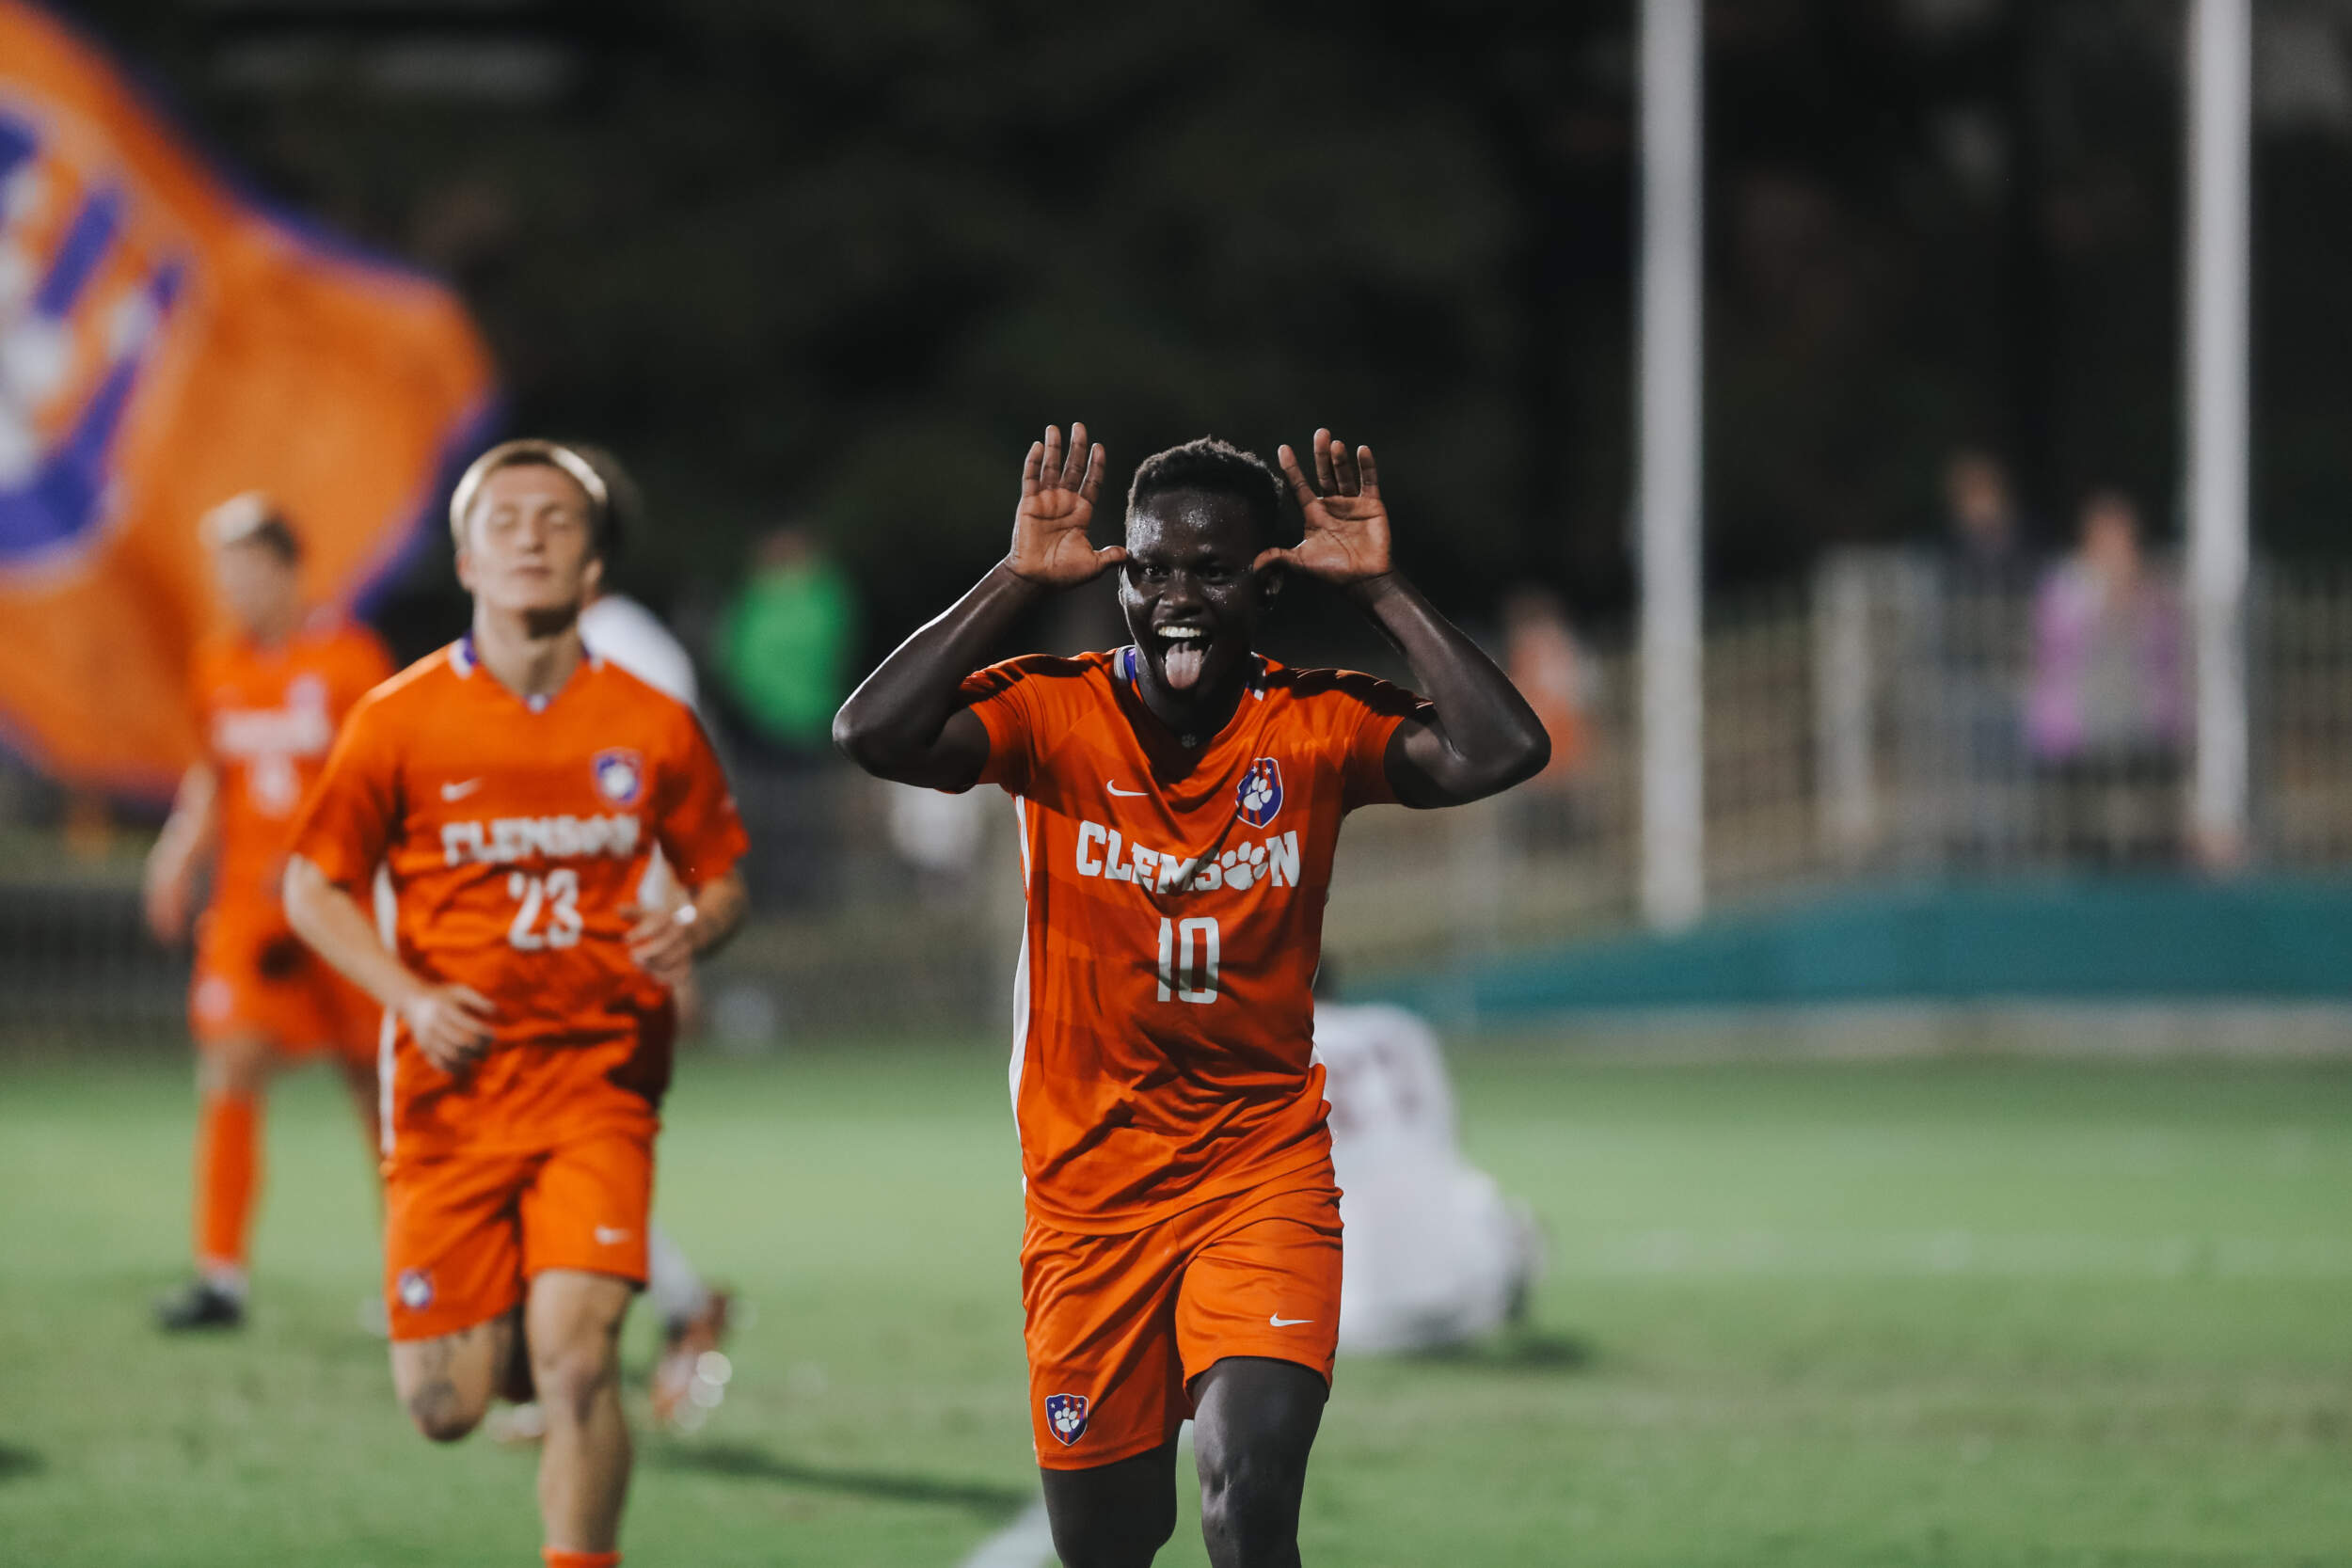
[[786, 643]]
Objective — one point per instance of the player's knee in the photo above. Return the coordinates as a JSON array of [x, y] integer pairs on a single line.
[[1129, 1538], [573, 1377], [442, 1412], [238, 1066], [1248, 1495]]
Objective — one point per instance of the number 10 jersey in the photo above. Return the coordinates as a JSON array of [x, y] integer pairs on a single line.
[[1164, 1015]]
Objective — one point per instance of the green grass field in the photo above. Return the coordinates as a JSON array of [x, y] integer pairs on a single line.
[[1971, 1314]]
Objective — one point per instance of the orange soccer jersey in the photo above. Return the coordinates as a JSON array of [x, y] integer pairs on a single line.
[[268, 716], [1165, 1028], [516, 833]]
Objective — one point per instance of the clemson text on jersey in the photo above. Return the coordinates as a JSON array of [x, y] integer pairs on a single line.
[[1100, 853]]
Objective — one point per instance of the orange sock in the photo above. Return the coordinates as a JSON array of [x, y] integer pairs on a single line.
[[558, 1558], [228, 1173]]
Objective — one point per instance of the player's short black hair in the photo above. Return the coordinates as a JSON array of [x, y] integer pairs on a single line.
[[1218, 468]]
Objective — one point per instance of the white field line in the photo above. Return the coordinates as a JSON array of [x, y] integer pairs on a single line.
[[1932, 1254], [1027, 1543]]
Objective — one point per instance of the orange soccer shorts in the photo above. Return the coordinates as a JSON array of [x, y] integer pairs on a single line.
[[464, 1234], [1119, 1326], [255, 978]]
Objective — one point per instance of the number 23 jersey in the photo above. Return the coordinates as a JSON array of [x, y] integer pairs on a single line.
[[1164, 1010], [515, 835]]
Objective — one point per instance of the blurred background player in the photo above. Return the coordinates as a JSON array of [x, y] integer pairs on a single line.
[[514, 785], [1180, 802], [1436, 1255], [270, 692]]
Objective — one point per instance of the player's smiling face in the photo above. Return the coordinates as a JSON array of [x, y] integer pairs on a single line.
[[530, 542], [1192, 601]]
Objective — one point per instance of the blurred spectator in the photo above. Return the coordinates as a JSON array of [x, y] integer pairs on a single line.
[[1981, 635], [1985, 532], [2106, 717], [1546, 664], [785, 644], [783, 651]]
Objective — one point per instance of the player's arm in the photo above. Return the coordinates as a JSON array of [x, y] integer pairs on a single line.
[[169, 888], [450, 1024], [666, 941], [1485, 737], [908, 723]]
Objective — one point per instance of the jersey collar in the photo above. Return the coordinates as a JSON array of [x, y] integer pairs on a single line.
[[465, 660]]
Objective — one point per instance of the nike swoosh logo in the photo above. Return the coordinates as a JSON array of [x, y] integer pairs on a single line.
[[1280, 1321], [460, 790], [608, 1236], [1130, 793]]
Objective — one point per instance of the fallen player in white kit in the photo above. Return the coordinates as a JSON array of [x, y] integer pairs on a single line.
[[1436, 1255]]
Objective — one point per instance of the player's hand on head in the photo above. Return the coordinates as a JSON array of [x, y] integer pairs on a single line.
[[1059, 486], [450, 1024], [660, 944], [1346, 537]]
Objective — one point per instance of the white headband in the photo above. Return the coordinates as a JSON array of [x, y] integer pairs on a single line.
[[509, 454]]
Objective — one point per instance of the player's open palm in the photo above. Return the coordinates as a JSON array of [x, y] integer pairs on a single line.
[[1049, 530], [1346, 538]]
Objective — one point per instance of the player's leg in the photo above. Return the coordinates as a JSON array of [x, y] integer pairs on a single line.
[[452, 1285], [694, 1324], [1254, 1422], [445, 1383], [574, 1330], [231, 1081], [1258, 1324], [584, 1231], [1105, 1388], [1116, 1515]]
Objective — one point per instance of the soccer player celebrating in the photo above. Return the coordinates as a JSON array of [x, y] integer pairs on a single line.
[[514, 785], [270, 694], [1179, 801]]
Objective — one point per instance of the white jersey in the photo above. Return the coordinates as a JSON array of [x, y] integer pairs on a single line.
[[633, 637], [1436, 1255], [621, 630]]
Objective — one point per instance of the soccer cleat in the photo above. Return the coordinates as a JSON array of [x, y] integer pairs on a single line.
[[199, 1304], [690, 1378]]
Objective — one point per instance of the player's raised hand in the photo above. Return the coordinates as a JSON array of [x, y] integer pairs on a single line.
[[450, 1024], [1347, 539], [1049, 529], [658, 943]]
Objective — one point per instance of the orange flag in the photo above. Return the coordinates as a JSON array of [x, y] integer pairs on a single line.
[[166, 343]]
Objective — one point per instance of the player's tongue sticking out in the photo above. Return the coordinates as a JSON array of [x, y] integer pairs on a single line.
[[1187, 650]]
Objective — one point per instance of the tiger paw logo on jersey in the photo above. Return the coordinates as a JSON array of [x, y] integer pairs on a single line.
[[1259, 795], [1066, 1414], [620, 776], [416, 1290]]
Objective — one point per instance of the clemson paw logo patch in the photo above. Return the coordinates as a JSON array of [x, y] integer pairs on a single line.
[[1259, 795], [1066, 1416], [416, 1290], [620, 776]]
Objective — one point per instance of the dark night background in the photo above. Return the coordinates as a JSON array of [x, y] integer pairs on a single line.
[[841, 262]]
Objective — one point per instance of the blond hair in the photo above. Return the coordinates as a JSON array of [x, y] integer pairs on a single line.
[[534, 453]]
